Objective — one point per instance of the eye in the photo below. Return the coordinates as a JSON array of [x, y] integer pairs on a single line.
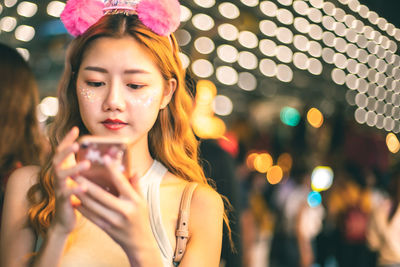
[[135, 86], [95, 84]]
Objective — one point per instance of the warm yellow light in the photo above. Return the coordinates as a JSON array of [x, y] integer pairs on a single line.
[[392, 143], [274, 174], [315, 117], [263, 162], [250, 160], [208, 127], [205, 92], [285, 161]]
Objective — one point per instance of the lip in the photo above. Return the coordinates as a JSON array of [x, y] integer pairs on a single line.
[[114, 124]]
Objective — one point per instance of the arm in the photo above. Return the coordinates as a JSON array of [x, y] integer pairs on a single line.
[[17, 238], [205, 228]]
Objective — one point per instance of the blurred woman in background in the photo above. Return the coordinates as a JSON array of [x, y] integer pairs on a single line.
[[21, 141]]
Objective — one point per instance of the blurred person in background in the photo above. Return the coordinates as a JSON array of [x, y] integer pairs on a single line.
[[259, 222], [219, 165], [383, 232], [21, 140], [293, 243], [350, 205]]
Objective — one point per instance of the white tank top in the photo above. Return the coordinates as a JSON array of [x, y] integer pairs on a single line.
[[92, 247]]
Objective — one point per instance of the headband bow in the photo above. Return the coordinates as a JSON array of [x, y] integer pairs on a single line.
[[160, 16]]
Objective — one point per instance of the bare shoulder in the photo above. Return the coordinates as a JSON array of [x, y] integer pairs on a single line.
[[204, 196], [22, 179], [205, 199], [17, 237], [205, 228]]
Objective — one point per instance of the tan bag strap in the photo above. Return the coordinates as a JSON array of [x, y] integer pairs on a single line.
[[182, 231]]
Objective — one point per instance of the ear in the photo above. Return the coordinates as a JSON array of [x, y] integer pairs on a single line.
[[168, 92]]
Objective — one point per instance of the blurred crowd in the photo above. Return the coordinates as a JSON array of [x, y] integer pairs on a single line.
[[289, 222]]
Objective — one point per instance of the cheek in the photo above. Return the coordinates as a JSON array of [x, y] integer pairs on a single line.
[[89, 101], [143, 100], [88, 95]]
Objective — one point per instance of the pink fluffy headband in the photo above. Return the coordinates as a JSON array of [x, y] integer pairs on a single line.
[[160, 16]]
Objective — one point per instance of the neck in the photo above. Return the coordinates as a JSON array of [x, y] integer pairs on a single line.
[[139, 158]]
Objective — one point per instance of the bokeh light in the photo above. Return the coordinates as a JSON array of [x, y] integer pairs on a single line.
[[228, 31], [227, 75], [314, 199], [24, 33], [27, 9], [263, 162], [8, 24], [215, 127], [54, 8], [204, 45], [315, 118], [290, 116], [186, 14], [222, 105], [247, 81], [250, 160], [321, 178], [202, 68], [49, 106], [285, 161], [274, 174], [392, 143], [229, 10], [203, 22]]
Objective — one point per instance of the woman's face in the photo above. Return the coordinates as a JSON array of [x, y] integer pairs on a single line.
[[120, 89]]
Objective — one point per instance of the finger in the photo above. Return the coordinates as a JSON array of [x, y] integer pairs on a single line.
[[68, 188], [94, 218], [118, 178], [69, 138], [61, 155], [102, 209], [97, 193], [62, 148], [73, 171]]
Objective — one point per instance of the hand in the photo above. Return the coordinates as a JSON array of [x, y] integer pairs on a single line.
[[124, 217], [65, 188]]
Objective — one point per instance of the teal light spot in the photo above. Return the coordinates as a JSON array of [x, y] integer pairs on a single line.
[[314, 199], [290, 116]]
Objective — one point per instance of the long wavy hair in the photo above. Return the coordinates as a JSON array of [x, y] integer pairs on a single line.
[[171, 140], [21, 140]]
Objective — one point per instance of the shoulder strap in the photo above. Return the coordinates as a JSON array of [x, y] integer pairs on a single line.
[[182, 231]]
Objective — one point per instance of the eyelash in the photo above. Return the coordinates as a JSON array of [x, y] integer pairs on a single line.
[[135, 86], [95, 84], [131, 85]]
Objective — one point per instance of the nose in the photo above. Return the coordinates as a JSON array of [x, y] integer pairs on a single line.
[[115, 100]]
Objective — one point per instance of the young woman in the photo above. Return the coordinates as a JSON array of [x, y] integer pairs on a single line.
[[121, 79], [21, 140]]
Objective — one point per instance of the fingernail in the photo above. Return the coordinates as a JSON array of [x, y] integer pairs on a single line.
[[75, 130]]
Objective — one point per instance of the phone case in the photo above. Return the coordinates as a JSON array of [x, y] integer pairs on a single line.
[[94, 148]]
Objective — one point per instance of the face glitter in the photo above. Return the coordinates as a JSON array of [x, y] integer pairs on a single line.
[[88, 94], [143, 100]]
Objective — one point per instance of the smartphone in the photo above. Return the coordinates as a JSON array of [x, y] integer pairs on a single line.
[[94, 148]]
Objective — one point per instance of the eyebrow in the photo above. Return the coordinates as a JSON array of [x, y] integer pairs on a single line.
[[129, 71]]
